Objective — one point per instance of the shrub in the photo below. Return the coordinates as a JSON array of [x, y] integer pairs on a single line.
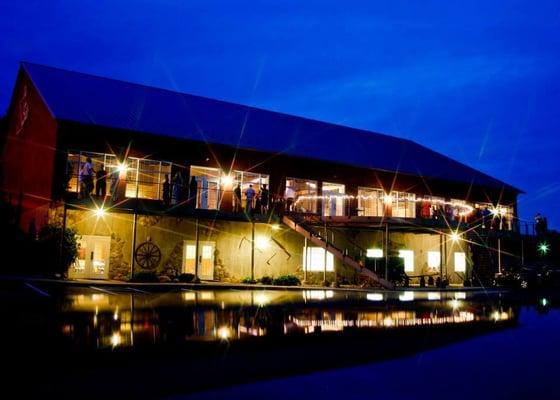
[[54, 259], [266, 280], [287, 280], [248, 279], [186, 278], [145, 276]]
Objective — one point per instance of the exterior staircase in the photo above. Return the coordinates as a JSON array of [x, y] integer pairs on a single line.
[[314, 236]]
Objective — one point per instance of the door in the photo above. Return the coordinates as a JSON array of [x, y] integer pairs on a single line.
[[93, 258], [205, 259]]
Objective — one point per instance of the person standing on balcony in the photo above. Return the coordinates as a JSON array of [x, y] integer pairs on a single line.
[[264, 199], [249, 195], [166, 190], [237, 198], [115, 176], [193, 192], [101, 182], [86, 179], [177, 188]]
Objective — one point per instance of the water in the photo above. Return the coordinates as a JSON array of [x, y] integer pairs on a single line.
[[143, 342]]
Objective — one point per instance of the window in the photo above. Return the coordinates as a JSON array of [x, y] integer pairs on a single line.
[[408, 256], [374, 253], [315, 260], [370, 202], [434, 259], [144, 178], [208, 187], [333, 199], [460, 262], [300, 195], [404, 205]]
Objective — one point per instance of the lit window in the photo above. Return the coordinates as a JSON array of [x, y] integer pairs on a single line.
[[315, 260], [408, 256], [460, 262], [374, 253], [434, 259]]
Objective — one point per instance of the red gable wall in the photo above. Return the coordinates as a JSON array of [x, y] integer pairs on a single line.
[[28, 155]]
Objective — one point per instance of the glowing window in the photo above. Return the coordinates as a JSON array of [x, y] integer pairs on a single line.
[[408, 256], [460, 262], [374, 253], [315, 260], [434, 259]]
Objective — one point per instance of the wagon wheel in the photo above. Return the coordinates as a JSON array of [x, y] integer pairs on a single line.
[[147, 255]]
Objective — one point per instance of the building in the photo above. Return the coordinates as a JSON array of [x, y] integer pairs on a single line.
[[365, 197]]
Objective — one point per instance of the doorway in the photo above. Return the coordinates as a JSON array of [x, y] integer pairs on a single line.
[[93, 258], [205, 259]]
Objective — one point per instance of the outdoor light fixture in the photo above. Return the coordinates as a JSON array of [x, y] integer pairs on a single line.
[[261, 242], [121, 167], [227, 180], [388, 199], [99, 212], [455, 236], [544, 248]]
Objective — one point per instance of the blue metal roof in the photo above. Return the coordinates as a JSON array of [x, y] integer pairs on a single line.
[[90, 99]]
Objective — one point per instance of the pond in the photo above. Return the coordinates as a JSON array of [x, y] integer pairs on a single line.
[[141, 341]]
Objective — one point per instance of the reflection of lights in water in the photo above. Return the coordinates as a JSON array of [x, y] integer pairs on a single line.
[[388, 321], [374, 296], [406, 296], [500, 316], [317, 294], [455, 304], [460, 295], [434, 296], [97, 297], [261, 299], [116, 339], [206, 295], [95, 320], [224, 333], [116, 314], [275, 227], [189, 296], [544, 302]]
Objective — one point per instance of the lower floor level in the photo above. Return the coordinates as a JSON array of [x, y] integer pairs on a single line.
[[117, 245]]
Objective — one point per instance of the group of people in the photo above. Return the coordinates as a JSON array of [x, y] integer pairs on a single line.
[[174, 190], [255, 202], [90, 180]]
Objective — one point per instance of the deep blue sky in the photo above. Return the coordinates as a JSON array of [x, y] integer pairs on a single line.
[[475, 80]]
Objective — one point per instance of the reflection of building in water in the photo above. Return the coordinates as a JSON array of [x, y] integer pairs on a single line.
[[311, 321], [104, 320]]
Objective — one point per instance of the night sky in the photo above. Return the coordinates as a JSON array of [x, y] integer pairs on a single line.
[[475, 80]]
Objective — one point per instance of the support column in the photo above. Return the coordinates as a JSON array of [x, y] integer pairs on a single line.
[[252, 250], [386, 251], [305, 260], [499, 255], [196, 252], [134, 221]]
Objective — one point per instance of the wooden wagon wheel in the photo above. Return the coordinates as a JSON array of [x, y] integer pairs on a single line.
[[147, 255]]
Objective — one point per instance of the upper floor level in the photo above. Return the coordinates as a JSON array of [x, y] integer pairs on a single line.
[[172, 186]]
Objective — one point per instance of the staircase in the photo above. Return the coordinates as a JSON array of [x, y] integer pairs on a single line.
[[307, 231]]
